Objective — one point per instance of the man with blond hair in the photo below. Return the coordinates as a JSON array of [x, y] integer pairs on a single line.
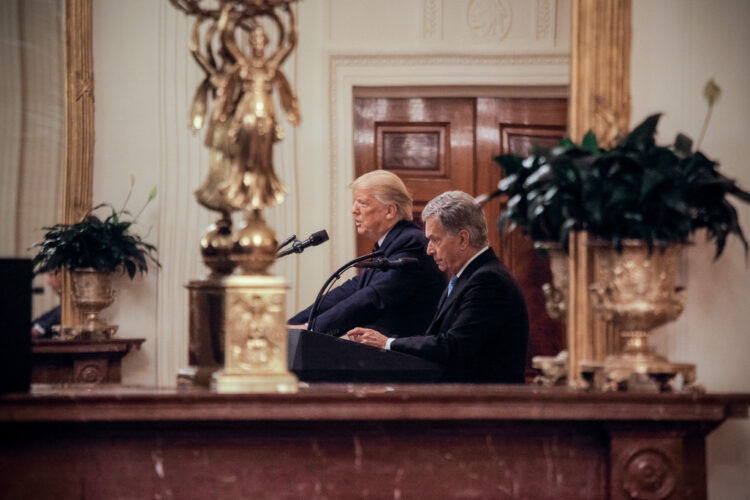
[[393, 300], [481, 328]]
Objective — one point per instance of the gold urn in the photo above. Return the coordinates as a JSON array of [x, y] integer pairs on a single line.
[[92, 292], [635, 292], [556, 292], [554, 369]]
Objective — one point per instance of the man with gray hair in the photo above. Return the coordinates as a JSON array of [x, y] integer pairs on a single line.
[[481, 327]]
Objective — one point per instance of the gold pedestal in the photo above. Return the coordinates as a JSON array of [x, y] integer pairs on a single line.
[[239, 322], [646, 372], [206, 327], [270, 383]]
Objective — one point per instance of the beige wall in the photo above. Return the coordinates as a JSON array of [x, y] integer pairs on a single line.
[[677, 46], [32, 128]]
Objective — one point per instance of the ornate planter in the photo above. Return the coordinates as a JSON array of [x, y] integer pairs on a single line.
[[556, 293], [635, 291], [92, 292], [554, 369]]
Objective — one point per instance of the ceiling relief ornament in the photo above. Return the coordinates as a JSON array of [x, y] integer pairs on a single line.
[[489, 19], [432, 23], [544, 18]]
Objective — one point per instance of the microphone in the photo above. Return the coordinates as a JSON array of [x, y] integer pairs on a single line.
[[383, 263], [299, 246], [286, 242]]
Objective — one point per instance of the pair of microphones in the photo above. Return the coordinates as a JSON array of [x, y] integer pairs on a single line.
[[298, 246], [315, 239]]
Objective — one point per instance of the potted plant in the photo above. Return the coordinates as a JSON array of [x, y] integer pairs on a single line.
[[92, 250], [545, 200], [545, 191], [639, 202]]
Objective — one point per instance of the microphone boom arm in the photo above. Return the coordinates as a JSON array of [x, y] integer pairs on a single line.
[[331, 279]]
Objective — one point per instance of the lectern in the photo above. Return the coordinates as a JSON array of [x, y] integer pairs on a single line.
[[316, 357]]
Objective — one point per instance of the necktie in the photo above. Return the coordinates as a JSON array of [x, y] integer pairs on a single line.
[[452, 283]]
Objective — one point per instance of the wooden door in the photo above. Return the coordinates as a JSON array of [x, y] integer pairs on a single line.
[[428, 143], [440, 144], [514, 126]]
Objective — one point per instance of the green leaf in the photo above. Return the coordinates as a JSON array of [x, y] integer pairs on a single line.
[[651, 179], [567, 143], [589, 143], [510, 163], [643, 136], [683, 144], [508, 184], [130, 268]]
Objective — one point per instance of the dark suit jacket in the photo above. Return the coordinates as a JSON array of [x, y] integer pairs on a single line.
[[480, 332], [49, 319], [394, 302]]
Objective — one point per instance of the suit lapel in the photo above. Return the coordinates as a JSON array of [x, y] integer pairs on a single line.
[[392, 235], [446, 301]]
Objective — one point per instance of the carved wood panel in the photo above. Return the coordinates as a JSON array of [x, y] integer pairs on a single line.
[[656, 466], [428, 143]]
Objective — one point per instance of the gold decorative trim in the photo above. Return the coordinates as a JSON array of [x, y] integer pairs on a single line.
[[79, 130], [600, 67], [599, 101]]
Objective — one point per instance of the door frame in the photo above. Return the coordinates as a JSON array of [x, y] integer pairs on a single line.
[[503, 75]]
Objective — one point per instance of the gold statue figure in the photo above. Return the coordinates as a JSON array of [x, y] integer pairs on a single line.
[[242, 126], [246, 129], [219, 164]]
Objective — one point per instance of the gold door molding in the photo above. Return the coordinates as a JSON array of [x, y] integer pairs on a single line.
[[599, 101], [79, 127]]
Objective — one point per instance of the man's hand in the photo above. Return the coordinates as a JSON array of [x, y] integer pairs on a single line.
[[297, 327], [367, 336]]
